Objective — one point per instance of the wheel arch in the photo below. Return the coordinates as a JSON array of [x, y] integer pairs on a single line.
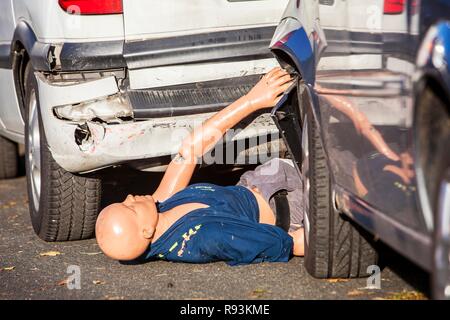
[[26, 49], [308, 98], [40, 54], [295, 50], [292, 64]]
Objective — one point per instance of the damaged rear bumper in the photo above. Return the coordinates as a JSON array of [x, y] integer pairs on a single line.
[[91, 125]]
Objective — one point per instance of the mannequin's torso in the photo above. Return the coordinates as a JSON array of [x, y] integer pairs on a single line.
[[171, 216]]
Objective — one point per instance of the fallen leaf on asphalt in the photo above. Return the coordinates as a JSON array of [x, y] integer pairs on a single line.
[[63, 282], [355, 293], [114, 298], [406, 295], [8, 268], [337, 280], [50, 254], [96, 282], [161, 275], [91, 253], [258, 293]]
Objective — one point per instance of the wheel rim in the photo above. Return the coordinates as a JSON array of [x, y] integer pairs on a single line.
[[305, 175], [34, 151]]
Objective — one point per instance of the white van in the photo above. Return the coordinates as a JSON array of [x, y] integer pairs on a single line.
[[87, 84]]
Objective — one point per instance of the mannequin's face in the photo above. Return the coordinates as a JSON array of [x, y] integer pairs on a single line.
[[124, 230]]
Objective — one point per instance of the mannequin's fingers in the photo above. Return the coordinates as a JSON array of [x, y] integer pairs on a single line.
[[280, 90], [280, 73], [277, 100], [282, 80], [271, 72], [283, 88]]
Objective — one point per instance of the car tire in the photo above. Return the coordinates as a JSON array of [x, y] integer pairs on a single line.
[[334, 246], [63, 206], [8, 159]]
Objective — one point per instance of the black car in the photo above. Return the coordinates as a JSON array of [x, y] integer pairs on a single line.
[[368, 126]]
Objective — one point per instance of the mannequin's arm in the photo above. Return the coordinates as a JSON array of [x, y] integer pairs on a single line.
[[359, 119], [265, 94]]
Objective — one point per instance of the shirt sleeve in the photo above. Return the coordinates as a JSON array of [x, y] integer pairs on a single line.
[[243, 242]]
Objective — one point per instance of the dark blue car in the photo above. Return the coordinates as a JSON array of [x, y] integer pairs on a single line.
[[368, 125]]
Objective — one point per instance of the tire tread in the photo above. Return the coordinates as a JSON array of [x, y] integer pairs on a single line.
[[69, 203], [337, 248]]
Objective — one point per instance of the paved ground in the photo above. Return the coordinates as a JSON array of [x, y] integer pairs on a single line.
[[33, 269]]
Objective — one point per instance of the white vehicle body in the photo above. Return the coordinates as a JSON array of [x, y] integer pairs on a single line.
[[101, 66]]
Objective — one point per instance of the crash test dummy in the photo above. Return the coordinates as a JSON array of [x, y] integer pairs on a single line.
[[203, 222]]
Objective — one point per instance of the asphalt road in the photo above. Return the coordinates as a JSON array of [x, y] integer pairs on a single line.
[[33, 269]]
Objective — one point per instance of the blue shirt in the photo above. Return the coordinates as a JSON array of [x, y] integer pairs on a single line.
[[229, 230]]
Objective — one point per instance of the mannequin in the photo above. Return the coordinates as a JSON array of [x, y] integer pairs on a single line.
[[126, 230]]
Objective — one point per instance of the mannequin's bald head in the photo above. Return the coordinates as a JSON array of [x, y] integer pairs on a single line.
[[125, 230]]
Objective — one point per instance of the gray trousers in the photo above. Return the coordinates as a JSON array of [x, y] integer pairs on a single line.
[[274, 176]]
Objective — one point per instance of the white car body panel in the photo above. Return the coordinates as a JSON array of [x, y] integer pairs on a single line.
[[52, 25], [7, 21], [150, 19], [114, 144], [142, 20], [11, 124], [335, 16], [153, 19], [364, 16], [9, 106], [188, 73]]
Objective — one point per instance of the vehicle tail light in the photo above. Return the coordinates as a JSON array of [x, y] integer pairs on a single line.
[[92, 7], [394, 6]]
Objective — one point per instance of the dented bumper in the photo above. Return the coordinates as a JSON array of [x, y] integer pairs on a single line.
[[90, 125]]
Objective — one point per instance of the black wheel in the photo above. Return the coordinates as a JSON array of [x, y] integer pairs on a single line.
[[63, 206], [8, 159], [334, 246], [433, 145]]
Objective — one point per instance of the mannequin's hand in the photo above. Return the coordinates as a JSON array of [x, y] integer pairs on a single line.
[[299, 242], [268, 91]]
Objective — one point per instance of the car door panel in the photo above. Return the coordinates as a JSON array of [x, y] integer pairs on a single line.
[[333, 83], [387, 162]]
